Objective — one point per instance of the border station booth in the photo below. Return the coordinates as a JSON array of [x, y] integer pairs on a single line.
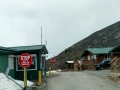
[[9, 58]]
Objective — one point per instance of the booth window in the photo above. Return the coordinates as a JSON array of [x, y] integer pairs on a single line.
[[43, 62], [33, 66]]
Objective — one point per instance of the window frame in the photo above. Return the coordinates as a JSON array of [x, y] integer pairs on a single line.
[[33, 55], [42, 61], [11, 63]]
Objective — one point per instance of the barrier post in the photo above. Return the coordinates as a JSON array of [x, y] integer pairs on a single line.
[[50, 73], [39, 77]]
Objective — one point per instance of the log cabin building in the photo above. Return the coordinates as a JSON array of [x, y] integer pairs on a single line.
[[93, 56]]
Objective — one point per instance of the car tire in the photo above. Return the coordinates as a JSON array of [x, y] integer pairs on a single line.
[[97, 68], [101, 68]]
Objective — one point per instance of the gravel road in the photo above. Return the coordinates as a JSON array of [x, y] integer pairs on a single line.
[[79, 81]]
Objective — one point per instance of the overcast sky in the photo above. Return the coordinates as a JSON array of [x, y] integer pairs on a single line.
[[63, 22]]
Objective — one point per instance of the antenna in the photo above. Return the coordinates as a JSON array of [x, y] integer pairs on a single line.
[[41, 35], [45, 38]]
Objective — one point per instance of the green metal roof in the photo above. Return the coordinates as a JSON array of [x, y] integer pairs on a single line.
[[22, 48], [27, 48], [6, 49], [100, 50]]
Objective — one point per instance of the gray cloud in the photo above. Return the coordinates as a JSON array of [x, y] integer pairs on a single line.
[[64, 21]]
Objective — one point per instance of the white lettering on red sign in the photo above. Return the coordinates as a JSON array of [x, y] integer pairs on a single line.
[[25, 59]]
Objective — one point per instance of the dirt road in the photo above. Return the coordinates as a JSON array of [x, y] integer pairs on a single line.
[[79, 81]]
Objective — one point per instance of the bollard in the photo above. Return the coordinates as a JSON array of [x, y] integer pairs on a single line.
[[39, 77], [50, 73], [115, 75]]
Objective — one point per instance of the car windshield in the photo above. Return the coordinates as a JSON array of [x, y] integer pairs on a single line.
[[103, 61]]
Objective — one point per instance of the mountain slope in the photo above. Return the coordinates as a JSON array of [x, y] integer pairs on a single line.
[[107, 37]]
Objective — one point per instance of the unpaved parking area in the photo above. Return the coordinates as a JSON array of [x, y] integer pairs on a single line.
[[105, 74], [84, 80]]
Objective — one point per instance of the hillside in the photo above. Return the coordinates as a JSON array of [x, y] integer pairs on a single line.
[[107, 37]]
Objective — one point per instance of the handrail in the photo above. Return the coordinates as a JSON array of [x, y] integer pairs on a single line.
[[14, 82]]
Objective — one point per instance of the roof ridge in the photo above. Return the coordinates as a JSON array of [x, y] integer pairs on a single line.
[[24, 46]]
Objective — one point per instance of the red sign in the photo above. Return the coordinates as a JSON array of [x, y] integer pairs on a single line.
[[25, 60], [53, 60]]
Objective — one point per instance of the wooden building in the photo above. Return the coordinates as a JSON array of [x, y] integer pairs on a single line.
[[76, 65], [9, 58], [70, 64], [93, 56]]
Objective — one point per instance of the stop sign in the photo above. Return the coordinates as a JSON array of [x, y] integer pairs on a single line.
[[53, 60], [25, 60]]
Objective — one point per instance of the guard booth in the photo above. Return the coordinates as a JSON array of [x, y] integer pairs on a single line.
[[10, 59]]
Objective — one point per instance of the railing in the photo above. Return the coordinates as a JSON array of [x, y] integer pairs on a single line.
[[13, 80]]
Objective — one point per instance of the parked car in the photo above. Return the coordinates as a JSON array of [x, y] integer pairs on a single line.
[[102, 65]]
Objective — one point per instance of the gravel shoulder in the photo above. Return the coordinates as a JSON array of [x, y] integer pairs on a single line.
[[105, 74]]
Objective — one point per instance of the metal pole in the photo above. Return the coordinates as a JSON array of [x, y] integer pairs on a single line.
[[53, 69], [25, 79], [39, 77], [41, 35]]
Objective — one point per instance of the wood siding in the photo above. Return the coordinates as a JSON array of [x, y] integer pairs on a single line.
[[89, 64]]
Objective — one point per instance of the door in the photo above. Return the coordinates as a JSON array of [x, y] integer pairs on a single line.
[[11, 66]]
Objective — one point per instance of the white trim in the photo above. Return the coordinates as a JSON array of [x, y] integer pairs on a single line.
[[72, 61], [27, 69], [11, 55]]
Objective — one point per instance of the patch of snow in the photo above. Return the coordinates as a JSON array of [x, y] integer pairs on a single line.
[[7, 84], [54, 72], [59, 70]]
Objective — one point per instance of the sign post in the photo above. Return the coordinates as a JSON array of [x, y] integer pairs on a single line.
[[53, 60], [25, 60]]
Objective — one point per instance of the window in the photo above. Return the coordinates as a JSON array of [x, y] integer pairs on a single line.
[[107, 56], [11, 61], [43, 62], [94, 57], [33, 66], [88, 57]]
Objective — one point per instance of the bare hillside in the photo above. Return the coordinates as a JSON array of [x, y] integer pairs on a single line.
[[107, 37]]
